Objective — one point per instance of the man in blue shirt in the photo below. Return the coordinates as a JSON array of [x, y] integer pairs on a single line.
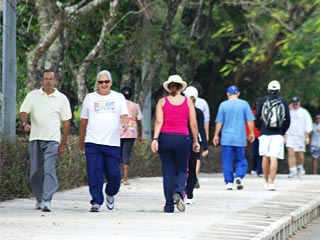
[[231, 122]]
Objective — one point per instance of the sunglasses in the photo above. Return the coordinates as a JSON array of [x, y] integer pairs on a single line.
[[105, 81]]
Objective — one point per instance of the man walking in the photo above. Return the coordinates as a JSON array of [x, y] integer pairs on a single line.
[[273, 120], [104, 116], [297, 137], [47, 108], [231, 121]]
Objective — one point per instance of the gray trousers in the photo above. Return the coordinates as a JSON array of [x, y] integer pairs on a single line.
[[43, 177]]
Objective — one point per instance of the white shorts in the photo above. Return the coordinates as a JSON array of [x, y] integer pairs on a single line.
[[297, 143], [271, 146]]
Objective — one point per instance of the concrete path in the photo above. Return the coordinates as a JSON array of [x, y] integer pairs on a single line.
[[251, 213]]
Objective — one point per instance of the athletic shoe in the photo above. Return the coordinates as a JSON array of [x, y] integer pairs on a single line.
[[253, 172], [266, 186], [46, 206], [229, 186], [239, 184], [39, 205], [292, 174], [110, 202], [190, 201], [260, 175], [95, 207], [168, 209], [197, 185], [179, 202], [272, 187], [300, 172]]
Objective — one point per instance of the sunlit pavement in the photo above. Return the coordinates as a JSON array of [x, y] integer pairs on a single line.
[[251, 213]]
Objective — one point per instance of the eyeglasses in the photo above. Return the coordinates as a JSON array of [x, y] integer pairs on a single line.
[[105, 81], [317, 118]]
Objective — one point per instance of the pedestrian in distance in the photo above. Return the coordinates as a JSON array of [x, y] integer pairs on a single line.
[[315, 144], [297, 137], [192, 93], [171, 140], [134, 131], [231, 119], [201, 104], [256, 159], [104, 116], [48, 108], [273, 120]]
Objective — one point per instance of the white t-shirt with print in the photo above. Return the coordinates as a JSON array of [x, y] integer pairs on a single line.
[[103, 113]]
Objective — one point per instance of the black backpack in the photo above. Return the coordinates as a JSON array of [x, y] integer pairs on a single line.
[[273, 113]]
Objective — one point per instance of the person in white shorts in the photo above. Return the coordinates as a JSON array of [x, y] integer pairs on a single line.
[[297, 137], [271, 141]]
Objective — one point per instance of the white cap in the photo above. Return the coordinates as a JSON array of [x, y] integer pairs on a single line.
[[191, 91], [274, 85]]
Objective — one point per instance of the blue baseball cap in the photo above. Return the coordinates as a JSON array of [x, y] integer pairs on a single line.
[[232, 90]]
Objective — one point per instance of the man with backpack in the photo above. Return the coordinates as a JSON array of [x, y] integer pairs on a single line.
[[273, 120]]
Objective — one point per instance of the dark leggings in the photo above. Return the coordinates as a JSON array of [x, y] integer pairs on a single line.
[[174, 153], [126, 148], [192, 178]]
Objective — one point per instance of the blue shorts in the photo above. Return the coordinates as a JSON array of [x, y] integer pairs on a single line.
[[315, 151]]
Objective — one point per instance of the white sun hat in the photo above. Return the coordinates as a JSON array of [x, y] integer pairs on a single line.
[[175, 79]]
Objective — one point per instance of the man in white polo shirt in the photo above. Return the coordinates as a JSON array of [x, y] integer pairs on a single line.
[[47, 108]]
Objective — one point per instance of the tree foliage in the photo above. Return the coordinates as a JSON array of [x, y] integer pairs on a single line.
[[216, 43]]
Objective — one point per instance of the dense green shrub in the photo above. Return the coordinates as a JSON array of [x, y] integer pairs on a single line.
[[71, 166], [14, 168]]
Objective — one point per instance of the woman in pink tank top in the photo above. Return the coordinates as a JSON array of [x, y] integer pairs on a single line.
[[171, 140]]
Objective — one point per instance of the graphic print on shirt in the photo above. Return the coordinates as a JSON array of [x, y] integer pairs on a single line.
[[106, 106]]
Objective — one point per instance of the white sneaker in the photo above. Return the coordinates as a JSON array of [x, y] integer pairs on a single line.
[[266, 186], [272, 187], [110, 202], [39, 205], [229, 186], [239, 184], [46, 206], [300, 172], [190, 201], [95, 207], [292, 174], [253, 172]]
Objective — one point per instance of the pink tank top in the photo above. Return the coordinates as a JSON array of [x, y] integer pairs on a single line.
[[175, 117]]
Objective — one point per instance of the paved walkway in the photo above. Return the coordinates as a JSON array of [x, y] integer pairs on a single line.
[[251, 213]]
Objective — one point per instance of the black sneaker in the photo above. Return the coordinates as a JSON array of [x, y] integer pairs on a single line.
[[168, 208], [179, 202]]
